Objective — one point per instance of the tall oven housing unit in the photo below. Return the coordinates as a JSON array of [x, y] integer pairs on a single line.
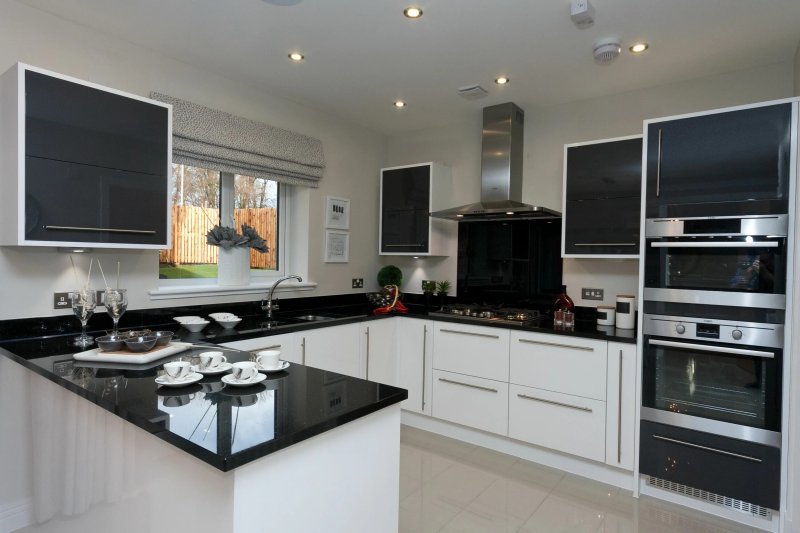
[[717, 261]]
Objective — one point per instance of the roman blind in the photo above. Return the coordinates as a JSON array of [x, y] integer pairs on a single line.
[[209, 138]]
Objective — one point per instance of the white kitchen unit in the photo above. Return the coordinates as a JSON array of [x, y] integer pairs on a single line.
[[287, 343], [378, 349], [415, 362], [472, 350], [621, 405], [334, 348], [79, 161], [471, 401]]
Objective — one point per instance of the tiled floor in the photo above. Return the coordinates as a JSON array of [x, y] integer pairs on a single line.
[[449, 486]]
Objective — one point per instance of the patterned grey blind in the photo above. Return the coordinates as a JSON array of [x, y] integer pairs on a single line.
[[209, 138]]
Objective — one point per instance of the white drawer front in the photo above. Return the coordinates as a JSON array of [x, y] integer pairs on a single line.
[[475, 402], [569, 424], [569, 365], [473, 350]]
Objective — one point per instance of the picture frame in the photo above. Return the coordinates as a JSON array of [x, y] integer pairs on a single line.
[[337, 246], [337, 213]]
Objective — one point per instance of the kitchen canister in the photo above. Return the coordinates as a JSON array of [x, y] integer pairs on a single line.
[[625, 311], [606, 315]]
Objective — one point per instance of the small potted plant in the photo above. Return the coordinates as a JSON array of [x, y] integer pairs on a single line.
[[234, 254], [428, 288], [387, 299], [442, 288]]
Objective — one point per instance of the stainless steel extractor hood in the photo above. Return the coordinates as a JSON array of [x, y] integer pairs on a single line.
[[501, 171]]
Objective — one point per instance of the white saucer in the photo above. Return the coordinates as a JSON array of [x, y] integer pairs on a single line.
[[164, 381], [282, 365], [228, 380], [219, 369]]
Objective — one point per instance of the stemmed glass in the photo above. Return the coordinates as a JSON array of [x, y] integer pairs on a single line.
[[83, 305], [116, 302]]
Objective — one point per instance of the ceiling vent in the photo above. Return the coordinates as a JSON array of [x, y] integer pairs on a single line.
[[606, 52], [472, 92]]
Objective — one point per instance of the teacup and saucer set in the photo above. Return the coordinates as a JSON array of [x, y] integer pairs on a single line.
[[269, 361], [243, 374], [178, 374], [212, 363]]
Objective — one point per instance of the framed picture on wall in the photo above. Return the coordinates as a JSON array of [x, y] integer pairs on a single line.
[[337, 246], [337, 213]]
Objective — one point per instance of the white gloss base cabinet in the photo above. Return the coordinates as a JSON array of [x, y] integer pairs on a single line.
[[415, 362], [472, 350], [621, 405], [334, 348], [563, 422], [471, 401], [286, 343], [378, 349]]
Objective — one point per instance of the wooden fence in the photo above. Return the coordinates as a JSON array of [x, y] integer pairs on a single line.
[[190, 225]]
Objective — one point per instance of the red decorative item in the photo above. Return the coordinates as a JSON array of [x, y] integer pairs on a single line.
[[396, 304]]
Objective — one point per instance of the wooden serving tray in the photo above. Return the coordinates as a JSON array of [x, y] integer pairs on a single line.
[[125, 356]]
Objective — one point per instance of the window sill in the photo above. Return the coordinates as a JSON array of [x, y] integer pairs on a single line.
[[199, 291]]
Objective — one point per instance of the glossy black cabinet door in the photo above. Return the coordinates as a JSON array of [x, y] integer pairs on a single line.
[[95, 160], [603, 198], [405, 210], [733, 163]]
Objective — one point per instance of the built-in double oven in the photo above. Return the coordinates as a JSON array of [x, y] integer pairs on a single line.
[[714, 307]]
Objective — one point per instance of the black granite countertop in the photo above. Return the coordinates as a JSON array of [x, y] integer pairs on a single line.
[[224, 426]]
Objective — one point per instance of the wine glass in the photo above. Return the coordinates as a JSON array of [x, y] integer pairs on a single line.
[[116, 302], [83, 305]]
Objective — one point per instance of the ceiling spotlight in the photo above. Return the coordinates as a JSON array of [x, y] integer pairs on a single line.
[[412, 12], [296, 56], [399, 104], [638, 48], [509, 213], [502, 80]]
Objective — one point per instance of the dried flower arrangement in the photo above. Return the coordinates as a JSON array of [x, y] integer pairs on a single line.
[[227, 238]]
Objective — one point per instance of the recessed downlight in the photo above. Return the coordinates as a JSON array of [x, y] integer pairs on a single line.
[[399, 104], [501, 80], [296, 56], [638, 48], [509, 213], [412, 12]]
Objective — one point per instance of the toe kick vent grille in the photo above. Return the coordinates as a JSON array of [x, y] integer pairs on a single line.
[[718, 499]]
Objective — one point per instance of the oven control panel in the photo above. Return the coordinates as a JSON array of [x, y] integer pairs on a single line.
[[723, 331]]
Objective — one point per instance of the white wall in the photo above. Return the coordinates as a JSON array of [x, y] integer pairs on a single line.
[[546, 132], [353, 156]]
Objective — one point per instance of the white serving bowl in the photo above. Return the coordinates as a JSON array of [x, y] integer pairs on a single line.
[[221, 316], [229, 323], [195, 327], [183, 319]]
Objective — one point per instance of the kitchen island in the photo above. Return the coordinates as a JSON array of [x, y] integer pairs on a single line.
[[99, 447]]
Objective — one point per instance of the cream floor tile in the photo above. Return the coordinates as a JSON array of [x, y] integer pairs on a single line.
[[456, 487], [585, 490], [490, 459], [534, 474], [558, 515], [451, 448], [471, 522], [419, 515], [422, 464], [508, 497]]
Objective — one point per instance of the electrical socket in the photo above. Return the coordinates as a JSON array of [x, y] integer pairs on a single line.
[[592, 294], [358, 283], [61, 300]]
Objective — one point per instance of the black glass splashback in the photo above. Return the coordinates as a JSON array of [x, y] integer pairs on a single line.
[[516, 263]]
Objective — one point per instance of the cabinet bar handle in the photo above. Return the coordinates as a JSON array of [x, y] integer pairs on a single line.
[[402, 245], [715, 450], [619, 412], [303, 345], [487, 335], [605, 244], [470, 385], [105, 230], [551, 402], [710, 348], [709, 244], [367, 333], [658, 165], [424, 354], [571, 346]]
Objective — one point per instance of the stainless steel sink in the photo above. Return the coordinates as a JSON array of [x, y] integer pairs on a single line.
[[313, 318]]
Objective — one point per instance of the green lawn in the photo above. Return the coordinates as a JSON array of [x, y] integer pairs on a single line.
[[167, 271]]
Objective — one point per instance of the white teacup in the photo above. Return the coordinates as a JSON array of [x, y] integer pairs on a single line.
[[269, 359], [177, 370], [244, 371], [211, 360]]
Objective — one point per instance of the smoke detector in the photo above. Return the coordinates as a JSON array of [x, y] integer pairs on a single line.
[[606, 52], [472, 92]]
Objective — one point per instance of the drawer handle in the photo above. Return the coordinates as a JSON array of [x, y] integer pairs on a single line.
[[106, 230], [715, 450], [402, 245], [470, 333], [605, 244], [572, 346], [273, 347], [576, 407], [470, 385]]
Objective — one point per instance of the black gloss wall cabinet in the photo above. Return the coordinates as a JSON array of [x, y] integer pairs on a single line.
[[729, 162], [82, 164], [408, 195], [602, 198]]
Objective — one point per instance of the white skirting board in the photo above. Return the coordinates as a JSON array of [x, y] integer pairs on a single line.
[[572, 464]]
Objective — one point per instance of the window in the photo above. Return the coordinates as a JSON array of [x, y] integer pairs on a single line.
[[202, 198]]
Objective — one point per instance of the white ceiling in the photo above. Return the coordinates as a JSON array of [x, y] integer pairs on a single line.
[[361, 55]]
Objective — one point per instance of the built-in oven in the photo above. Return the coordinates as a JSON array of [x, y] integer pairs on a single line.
[[724, 261], [711, 403]]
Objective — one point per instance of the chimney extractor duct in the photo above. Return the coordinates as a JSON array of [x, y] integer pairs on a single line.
[[501, 171]]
